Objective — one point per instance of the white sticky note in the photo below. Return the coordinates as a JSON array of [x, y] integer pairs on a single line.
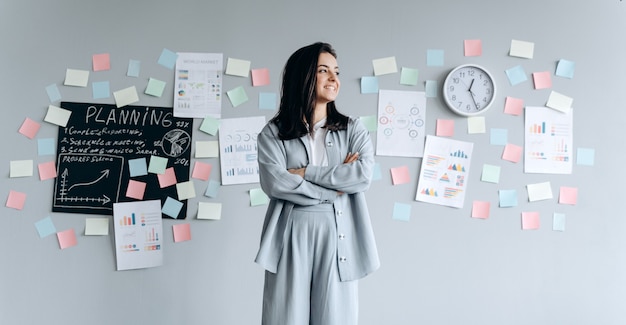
[[209, 210], [476, 124], [522, 49], [76, 78], [237, 67], [21, 168], [207, 149], [559, 102], [57, 115], [385, 66], [126, 96], [96, 226], [539, 191], [185, 190]]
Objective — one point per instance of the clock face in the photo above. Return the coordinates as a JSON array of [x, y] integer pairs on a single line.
[[469, 90]]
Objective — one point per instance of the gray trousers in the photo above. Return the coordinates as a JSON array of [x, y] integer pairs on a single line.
[[306, 289]]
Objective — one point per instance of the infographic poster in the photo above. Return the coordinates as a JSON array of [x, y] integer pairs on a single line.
[[401, 123], [238, 149], [198, 85], [444, 171], [138, 234], [548, 141]]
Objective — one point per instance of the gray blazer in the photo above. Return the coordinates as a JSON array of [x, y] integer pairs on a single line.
[[356, 249]]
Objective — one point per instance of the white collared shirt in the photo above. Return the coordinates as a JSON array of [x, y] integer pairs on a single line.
[[316, 140]]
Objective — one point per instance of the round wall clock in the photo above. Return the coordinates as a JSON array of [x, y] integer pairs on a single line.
[[469, 89]]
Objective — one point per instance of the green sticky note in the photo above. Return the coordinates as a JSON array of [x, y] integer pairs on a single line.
[[491, 174], [210, 125], [157, 165], [258, 197], [155, 87], [408, 76], [370, 122], [237, 96]]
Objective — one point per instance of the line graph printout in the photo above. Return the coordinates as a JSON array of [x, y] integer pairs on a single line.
[[444, 171], [198, 85], [548, 141], [401, 123], [138, 234], [100, 146], [238, 149]]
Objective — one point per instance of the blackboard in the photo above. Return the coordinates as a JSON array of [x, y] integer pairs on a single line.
[[94, 149]]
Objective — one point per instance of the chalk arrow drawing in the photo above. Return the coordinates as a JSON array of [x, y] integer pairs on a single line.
[[105, 174]]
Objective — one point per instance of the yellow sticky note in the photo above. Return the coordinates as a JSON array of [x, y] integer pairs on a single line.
[[209, 210], [185, 190], [237, 67], [385, 66], [126, 96], [476, 124], [57, 115], [207, 149], [21, 168], [76, 78]]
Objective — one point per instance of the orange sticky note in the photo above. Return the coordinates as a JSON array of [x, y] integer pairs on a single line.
[[473, 47], [135, 189], [400, 175], [530, 220], [512, 153], [29, 128], [542, 80], [568, 195], [182, 232], [16, 200], [260, 77], [67, 238], [47, 170], [445, 128], [480, 209], [101, 62], [513, 106], [201, 171], [168, 178]]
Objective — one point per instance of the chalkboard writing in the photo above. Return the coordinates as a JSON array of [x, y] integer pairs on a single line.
[[94, 149]]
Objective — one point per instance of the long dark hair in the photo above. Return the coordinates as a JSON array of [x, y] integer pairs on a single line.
[[297, 100]]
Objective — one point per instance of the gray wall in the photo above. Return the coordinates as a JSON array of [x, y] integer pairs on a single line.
[[441, 267]]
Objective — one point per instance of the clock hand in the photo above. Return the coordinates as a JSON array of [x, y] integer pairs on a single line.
[[472, 93]]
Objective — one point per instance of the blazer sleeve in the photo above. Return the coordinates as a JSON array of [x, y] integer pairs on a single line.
[[277, 182], [353, 177]]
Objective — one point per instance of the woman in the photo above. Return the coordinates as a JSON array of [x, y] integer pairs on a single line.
[[315, 164]]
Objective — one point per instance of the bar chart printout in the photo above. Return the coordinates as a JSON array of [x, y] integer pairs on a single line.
[[548, 141], [138, 234]]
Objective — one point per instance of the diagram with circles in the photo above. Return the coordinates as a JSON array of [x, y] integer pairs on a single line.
[[401, 123]]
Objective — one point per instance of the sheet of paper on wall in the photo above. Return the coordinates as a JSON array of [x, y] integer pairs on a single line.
[[238, 149], [444, 172], [138, 234], [401, 123], [548, 145], [198, 85]]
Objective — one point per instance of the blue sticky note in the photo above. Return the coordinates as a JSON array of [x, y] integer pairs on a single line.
[[212, 189], [258, 197], [46, 147], [171, 207], [434, 58], [377, 173], [53, 93], [401, 211], [100, 89], [508, 198], [137, 167], [369, 85], [134, 66], [499, 137], [516, 75], [267, 101], [431, 88], [558, 221], [565, 68], [45, 227], [168, 59], [585, 156]]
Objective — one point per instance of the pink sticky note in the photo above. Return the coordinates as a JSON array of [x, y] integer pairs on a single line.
[[136, 189], [445, 128], [400, 175], [480, 209], [168, 178], [101, 62], [568, 195], [182, 232], [67, 238], [530, 220], [513, 106], [47, 170], [201, 171], [512, 153], [542, 80], [29, 128], [260, 77], [16, 200], [473, 47]]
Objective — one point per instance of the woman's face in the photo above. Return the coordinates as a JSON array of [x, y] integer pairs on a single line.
[[327, 87]]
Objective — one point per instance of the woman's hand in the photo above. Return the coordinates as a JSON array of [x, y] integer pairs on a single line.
[[297, 171], [351, 157]]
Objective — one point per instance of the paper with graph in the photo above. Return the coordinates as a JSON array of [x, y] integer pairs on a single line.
[[548, 141]]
